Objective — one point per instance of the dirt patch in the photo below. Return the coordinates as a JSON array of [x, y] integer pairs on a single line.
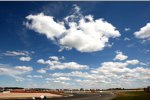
[[26, 95]]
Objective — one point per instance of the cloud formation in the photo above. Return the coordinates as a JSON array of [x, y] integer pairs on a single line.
[[42, 71], [78, 74], [83, 33], [37, 76], [108, 75], [63, 78], [120, 56], [115, 67], [144, 32], [127, 29], [45, 25], [127, 39], [121, 73], [112, 73], [15, 72], [55, 63], [22, 54], [24, 68], [16, 53], [25, 58]]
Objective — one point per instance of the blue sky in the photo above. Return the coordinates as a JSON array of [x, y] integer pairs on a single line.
[[70, 44]]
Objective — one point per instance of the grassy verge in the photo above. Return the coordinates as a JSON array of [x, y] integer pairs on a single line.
[[137, 95]]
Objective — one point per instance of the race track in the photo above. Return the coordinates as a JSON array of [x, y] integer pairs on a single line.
[[100, 96]]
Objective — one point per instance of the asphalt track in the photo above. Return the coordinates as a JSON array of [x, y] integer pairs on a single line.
[[100, 96]]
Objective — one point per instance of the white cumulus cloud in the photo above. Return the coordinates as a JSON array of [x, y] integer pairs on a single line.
[[25, 58], [57, 64], [46, 25], [15, 72], [120, 56], [144, 32], [63, 78], [116, 67], [84, 33], [41, 61], [68, 65], [37, 76], [24, 68], [133, 62], [42, 71]]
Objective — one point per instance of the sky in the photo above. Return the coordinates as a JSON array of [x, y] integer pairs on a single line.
[[70, 44]]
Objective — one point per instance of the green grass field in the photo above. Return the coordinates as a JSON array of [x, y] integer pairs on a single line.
[[139, 95]]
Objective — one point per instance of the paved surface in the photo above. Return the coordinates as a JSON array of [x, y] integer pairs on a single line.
[[101, 96]]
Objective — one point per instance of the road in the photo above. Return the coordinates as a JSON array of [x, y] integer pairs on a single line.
[[101, 96]]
